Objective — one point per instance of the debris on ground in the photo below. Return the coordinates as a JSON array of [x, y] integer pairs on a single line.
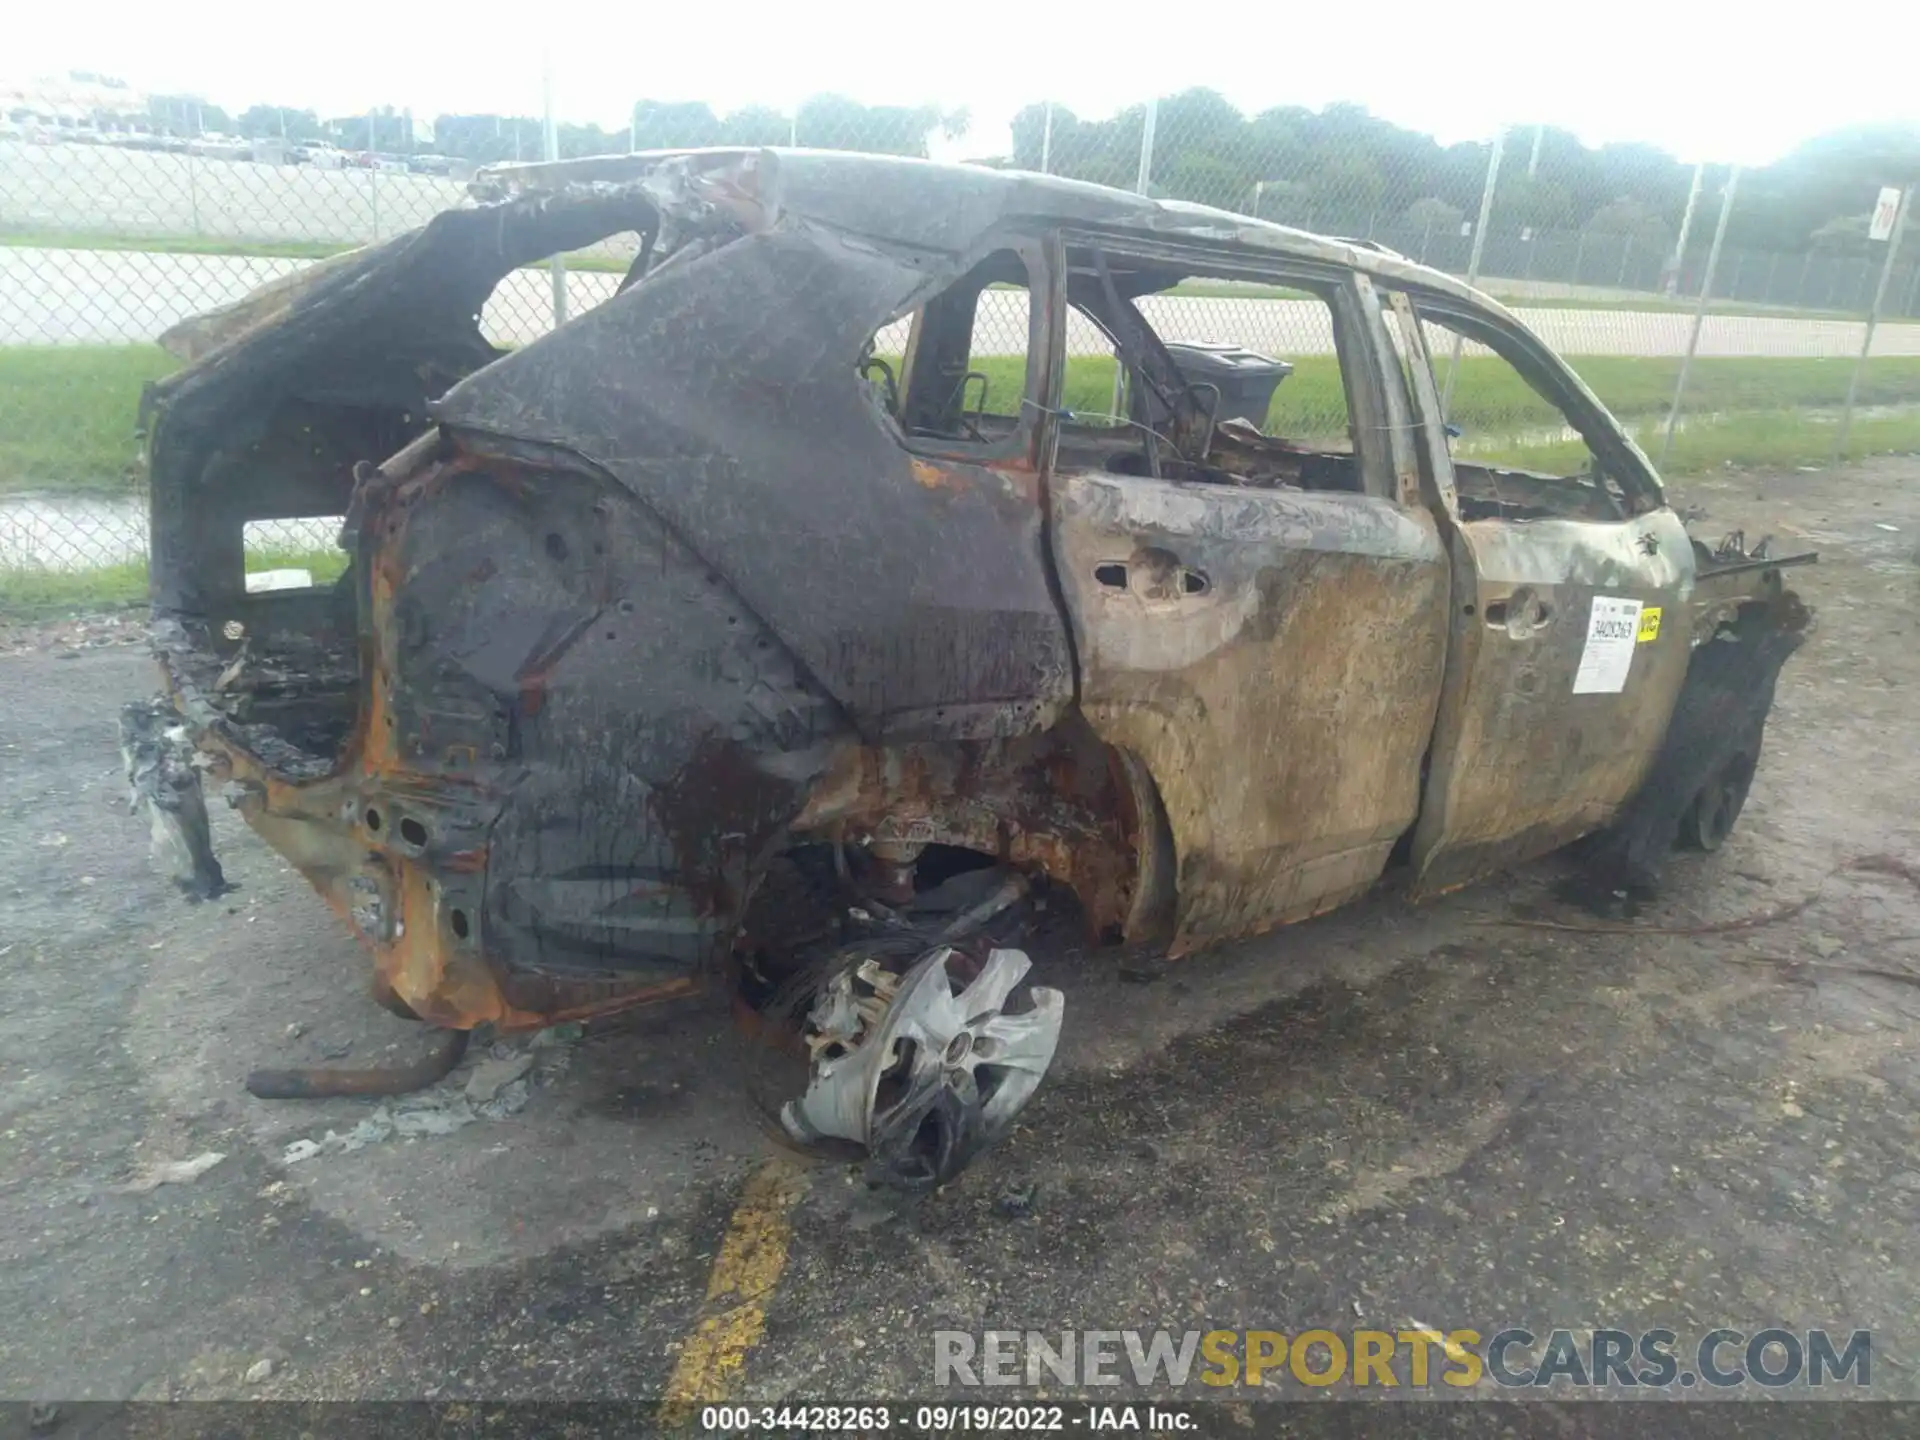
[[495, 1073], [1017, 1202], [175, 1172], [68, 636], [495, 1087], [258, 1371]]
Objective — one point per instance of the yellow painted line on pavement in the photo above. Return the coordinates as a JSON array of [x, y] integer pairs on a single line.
[[752, 1257]]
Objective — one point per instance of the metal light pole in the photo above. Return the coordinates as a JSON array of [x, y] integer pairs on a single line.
[[1700, 310], [1686, 224], [557, 266], [1140, 181], [373, 168], [1146, 148], [1473, 260], [1873, 319]]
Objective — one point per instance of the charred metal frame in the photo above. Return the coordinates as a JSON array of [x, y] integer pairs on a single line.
[[639, 605]]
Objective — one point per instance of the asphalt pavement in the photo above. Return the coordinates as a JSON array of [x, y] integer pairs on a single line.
[[1489, 1113]]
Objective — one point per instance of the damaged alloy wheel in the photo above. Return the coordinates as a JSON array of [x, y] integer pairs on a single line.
[[924, 1069]]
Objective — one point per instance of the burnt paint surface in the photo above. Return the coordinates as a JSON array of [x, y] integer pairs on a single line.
[[645, 738], [1281, 699], [723, 394], [672, 584], [294, 383], [1060, 802], [1521, 765]]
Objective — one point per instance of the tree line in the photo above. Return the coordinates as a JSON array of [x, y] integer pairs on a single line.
[[1339, 169]]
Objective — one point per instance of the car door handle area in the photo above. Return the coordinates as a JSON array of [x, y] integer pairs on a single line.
[[1522, 615], [1152, 575]]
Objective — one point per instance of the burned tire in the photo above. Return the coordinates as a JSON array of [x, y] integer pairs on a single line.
[[1716, 806], [1698, 783]]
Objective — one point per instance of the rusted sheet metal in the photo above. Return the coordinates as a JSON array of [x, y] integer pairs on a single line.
[[1274, 660], [913, 589], [1521, 764], [536, 816], [315, 1082], [643, 603], [1060, 802]]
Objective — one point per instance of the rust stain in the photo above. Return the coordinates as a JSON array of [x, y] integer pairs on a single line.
[[936, 477], [1048, 802]]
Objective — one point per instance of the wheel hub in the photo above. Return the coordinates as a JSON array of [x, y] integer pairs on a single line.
[[928, 1068]]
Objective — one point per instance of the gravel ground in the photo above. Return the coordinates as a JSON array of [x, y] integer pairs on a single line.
[[1387, 1116]]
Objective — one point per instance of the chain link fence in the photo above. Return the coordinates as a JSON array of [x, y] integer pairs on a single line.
[[1618, 258]]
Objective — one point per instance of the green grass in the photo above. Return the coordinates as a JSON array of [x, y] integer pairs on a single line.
[[67, 417], [67, 411], [67, 414], [1489, 395], [49, 592], [111, 587], [1760, 442]]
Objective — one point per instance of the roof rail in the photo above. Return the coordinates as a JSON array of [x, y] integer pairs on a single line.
[[1373, 245]]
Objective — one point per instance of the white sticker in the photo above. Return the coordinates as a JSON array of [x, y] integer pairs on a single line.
[[1613, 628]]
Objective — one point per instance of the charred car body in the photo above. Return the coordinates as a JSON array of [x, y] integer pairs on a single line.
[[716, 596]]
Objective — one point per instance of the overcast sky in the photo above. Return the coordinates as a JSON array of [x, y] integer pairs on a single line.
[[1715, 82]]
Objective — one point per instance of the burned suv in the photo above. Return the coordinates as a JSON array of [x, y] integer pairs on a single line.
[[778, 625]]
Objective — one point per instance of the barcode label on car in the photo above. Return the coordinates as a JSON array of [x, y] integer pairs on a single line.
[[1613, 629]]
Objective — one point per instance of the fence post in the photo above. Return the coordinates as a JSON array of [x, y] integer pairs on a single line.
[[557, 266], [1773, 265], [1046, 141], [193, 191], [1473, 259], [1579, 253], [1873, 319], [1700, 309], [1913, 292], [1626, 254]]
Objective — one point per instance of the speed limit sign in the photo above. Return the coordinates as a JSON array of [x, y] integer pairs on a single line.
[[1884, 214]]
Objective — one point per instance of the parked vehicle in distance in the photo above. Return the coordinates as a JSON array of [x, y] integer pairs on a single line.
[[317, 153], [778, 627]]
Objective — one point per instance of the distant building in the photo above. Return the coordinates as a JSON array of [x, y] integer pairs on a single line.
[[76, 107]]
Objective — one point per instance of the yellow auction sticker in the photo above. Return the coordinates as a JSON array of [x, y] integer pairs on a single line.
[[1649, 624]]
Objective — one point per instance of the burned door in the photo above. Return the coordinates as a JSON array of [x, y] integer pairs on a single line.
[[1262, 627], [1568, 641]]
